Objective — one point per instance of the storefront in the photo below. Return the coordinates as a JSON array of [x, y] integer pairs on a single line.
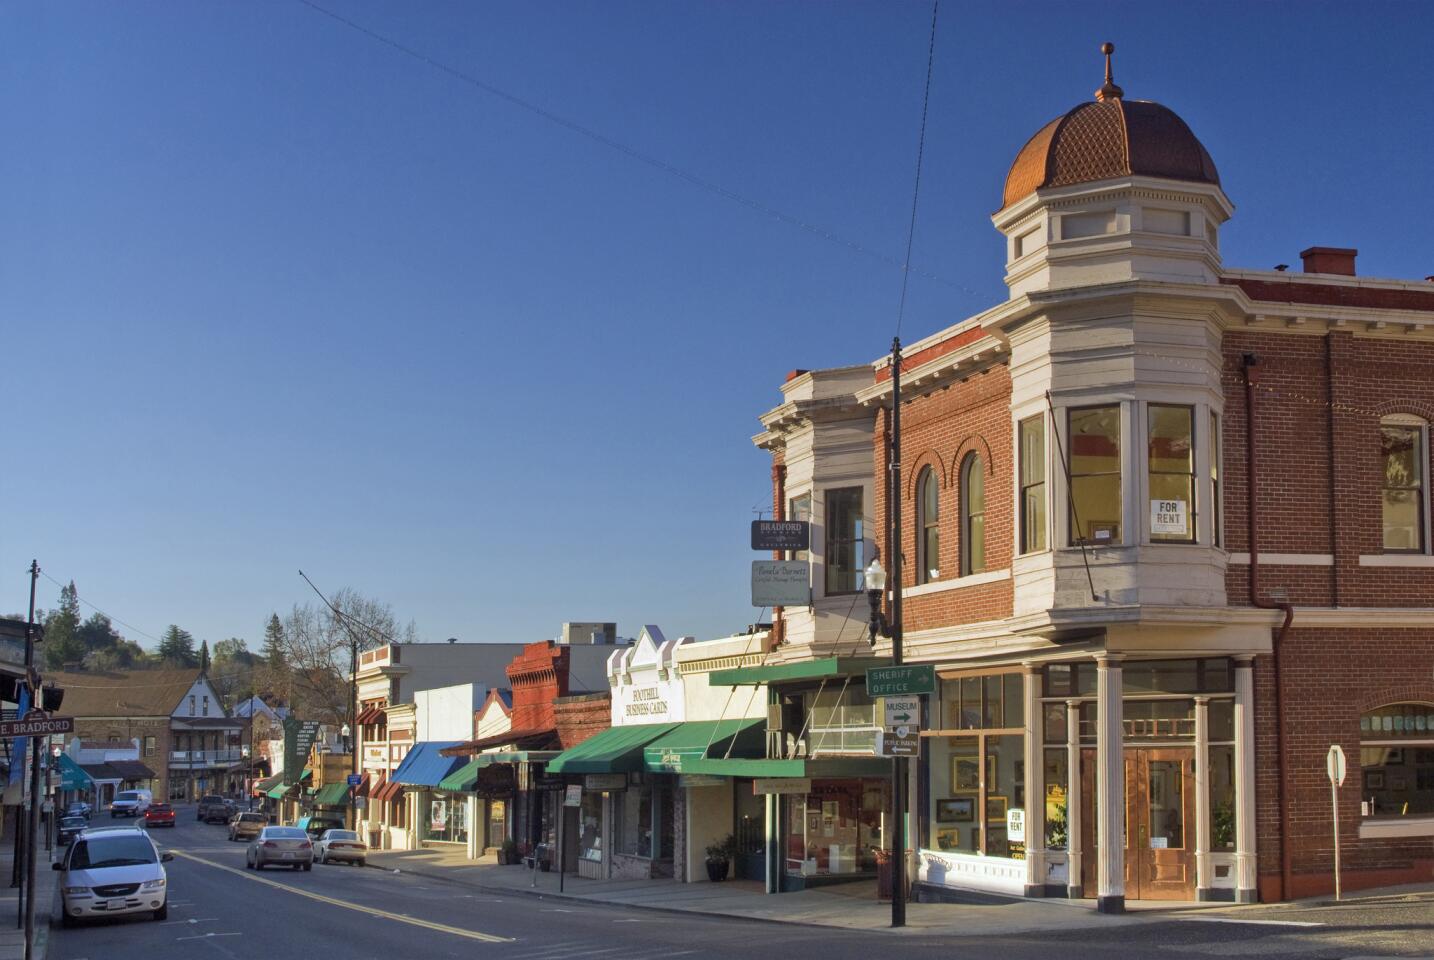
[[430, 812]]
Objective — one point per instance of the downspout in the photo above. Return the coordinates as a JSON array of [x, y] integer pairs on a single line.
[[779, 512], [1250, 362]]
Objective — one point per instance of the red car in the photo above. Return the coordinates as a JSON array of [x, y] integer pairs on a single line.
[[159, 815]]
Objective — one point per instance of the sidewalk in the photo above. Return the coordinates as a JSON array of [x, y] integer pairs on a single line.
[[849, 906], [12, 935]]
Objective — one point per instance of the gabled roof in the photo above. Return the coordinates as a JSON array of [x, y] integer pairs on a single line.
[[124, 693]]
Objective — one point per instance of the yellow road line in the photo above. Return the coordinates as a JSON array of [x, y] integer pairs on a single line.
[[372, 911]]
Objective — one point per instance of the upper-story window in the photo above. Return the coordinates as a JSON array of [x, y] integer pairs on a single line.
[[1033, 484], [973, 516], [1095, 503], [800, 508], [1404, 455], [844, 561], [206, 706], [1214, 478], [191, 704], [928, 526], [1171, 466]]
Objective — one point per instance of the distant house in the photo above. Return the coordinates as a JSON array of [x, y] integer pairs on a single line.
[[183, 732]]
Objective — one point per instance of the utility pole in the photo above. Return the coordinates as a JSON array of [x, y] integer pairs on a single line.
[[32, 677], [898, 764], [353, 725]]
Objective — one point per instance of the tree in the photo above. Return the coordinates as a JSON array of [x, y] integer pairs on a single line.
[[62, 626], [204, 655], [233, 670], [176, 647], [273, 678], [317, 650]]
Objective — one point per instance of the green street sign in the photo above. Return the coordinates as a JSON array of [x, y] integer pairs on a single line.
[[889, 681]]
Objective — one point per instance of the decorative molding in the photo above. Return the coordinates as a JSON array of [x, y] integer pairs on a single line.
[[1403, 827], [1286, 559], [1396, 560], [941, 586]]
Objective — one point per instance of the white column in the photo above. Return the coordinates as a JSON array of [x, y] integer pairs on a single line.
[[1110, 786], [1035, 784], [1073, 810], [1204, 871], [1246, 878]]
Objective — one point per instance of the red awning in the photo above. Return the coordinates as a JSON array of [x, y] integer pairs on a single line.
[[371, 715], [362, 789], [523, 739], [387, 792]]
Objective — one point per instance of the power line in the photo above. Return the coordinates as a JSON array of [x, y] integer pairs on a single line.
[[920, 152], [108, 616], [640, 156]]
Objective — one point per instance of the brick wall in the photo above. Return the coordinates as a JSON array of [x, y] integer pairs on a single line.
[[1331, 677], [538, 676], [1311, 389], [581, 716], [939, 430]]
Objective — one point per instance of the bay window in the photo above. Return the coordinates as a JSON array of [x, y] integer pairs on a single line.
[[1171, 472], [1032, 432], [844, 530], [1095, 495]]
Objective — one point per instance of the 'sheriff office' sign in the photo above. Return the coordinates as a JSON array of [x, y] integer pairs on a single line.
[[781, 534]]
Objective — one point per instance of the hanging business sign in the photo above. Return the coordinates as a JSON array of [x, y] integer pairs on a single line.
[[598, 782], [573, 796], [781, 534], [782, 785], [298, 740], [700, 780], [1169, 518], [781, 583]]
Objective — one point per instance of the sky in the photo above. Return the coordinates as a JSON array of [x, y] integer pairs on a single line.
[[472, 308]]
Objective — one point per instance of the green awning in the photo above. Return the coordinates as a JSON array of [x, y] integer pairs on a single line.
[[462, 779], [279, 792], [333, 794], [821, 768], [266, 784], [306, 775], [698, 740], [615, 750], [802, 670], [72, 776]]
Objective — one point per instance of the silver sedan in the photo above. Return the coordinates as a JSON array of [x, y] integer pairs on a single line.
[[286, 846], [341, 845]]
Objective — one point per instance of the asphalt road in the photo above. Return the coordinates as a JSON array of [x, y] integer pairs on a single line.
[[217, 908]]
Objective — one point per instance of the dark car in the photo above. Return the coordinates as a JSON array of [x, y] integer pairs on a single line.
[[215, 809], [70, 828], [79, 808]]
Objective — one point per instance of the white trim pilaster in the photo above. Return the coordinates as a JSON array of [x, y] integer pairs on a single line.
[[1246, 876], [1035, 783], [1110, 786], [1074, 888], [1204, 869]]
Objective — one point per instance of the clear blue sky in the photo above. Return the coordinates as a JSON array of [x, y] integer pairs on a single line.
[[275, 295]]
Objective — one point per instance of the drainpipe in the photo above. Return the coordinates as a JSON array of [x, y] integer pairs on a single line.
[[1250, 362], [779, 512]]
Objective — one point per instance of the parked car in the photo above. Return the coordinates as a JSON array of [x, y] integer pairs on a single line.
[[316, 827], [111, 872], [288, 846], [159, 815], [340, 845], [79, 808], [69, 828], [130, 803], [215, 809], [246, 826]]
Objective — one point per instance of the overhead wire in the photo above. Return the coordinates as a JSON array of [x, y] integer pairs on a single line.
[[920, 153], [634, 153]]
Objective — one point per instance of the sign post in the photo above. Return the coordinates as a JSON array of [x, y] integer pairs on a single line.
[[1335, 767]]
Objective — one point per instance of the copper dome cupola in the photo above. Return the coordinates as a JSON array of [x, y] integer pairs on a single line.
[[1109, 138]]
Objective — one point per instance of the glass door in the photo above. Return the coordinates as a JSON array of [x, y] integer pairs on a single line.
[[1160, 823]]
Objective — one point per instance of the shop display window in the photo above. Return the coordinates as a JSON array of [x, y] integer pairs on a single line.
[[1396, 756], [837, 828], [590, 820], [1222, 797], [448, 818], [977, 773]]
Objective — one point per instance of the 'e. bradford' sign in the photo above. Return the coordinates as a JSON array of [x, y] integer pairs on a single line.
[[36, 728]]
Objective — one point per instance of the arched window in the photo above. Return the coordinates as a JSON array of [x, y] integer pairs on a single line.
[[1404, 458], [973, 516], [928, 527], [1394, 741]]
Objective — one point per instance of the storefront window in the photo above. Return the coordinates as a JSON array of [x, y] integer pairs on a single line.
[[1222, 797], [637, 822], [497, 822], [1171, 462], [448, 818], [836, 829], [841, 721], [978, 773], [1396, 754], [590, 837], [1055, 774]]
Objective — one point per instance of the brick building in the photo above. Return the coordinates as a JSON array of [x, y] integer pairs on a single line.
[[1116, 656]]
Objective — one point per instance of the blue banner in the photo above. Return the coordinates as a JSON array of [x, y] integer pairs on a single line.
[[19, 745]]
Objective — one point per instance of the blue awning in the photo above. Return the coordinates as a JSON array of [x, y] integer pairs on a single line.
[[424, 766]]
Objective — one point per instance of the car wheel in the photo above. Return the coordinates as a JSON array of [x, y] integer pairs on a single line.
[[309, 865], [66, 920], [163, 912], [362, 863]]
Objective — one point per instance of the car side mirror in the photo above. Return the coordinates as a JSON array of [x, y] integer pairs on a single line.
[[57, 865], [166, 857]]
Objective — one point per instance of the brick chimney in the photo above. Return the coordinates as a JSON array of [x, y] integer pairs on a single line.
[[1336, 260]]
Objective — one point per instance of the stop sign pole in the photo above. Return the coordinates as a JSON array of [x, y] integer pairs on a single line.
[[1335, 767]]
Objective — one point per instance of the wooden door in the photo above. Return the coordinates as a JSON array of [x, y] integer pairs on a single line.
[[1090, 855], [1160, 823]]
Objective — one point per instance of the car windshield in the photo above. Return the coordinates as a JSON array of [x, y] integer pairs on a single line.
[[93, 852], [127, 795], [72, 821], [340, 835], [285, 833]]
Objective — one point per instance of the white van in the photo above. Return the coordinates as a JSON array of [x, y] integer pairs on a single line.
[[110, 871], [131, 803]]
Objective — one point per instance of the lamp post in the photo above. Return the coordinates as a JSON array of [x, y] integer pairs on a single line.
[[246, 753], [352, 749], [874, 577]]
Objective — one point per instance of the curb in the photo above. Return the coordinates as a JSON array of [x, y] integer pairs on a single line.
[[671, 911]]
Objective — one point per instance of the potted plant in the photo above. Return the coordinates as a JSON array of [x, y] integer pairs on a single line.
[[719, 858], [508, 853]]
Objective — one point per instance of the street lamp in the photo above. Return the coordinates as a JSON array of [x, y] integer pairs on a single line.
[[875, 579], [246, 753]]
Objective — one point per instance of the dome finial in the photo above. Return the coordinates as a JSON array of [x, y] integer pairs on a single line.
[[1108, 90]]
